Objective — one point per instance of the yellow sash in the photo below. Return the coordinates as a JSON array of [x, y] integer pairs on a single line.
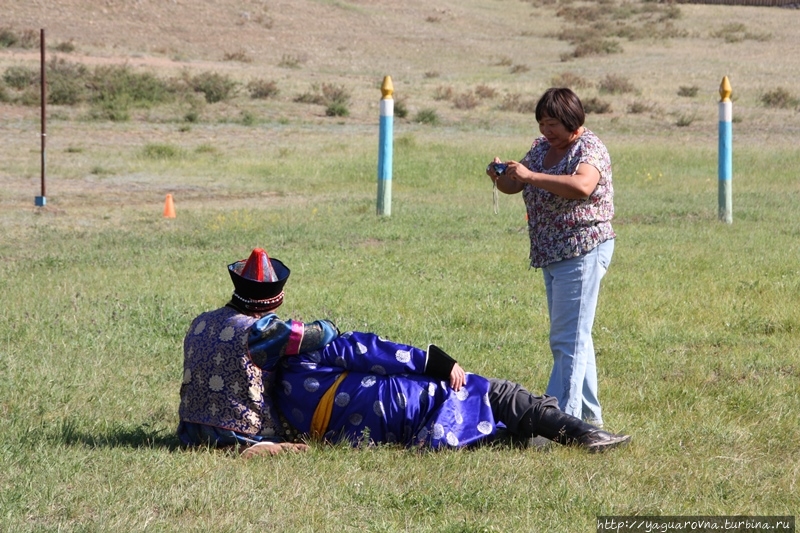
[[322, 414]]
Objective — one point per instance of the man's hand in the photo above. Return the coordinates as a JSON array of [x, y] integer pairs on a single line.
[[458, 378], [272, 448]]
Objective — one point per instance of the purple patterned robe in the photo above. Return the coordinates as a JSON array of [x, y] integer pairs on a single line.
[[385, 396]]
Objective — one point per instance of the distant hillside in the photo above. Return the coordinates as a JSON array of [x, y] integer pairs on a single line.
[[653, 63]]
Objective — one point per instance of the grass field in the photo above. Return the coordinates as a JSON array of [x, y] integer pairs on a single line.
[[698, 333]]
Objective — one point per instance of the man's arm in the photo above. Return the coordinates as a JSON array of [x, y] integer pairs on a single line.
[[270, 338], [442, 366]]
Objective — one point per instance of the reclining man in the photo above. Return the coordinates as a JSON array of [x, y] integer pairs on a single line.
[[254, 380]]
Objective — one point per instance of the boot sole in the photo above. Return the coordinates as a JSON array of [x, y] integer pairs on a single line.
[[600, 447]]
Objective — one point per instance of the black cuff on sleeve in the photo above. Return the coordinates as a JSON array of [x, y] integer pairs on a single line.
[[439, 364]]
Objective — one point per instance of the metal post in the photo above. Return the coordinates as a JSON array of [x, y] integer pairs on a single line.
[[725, 152], [41, 201], [385, 149]]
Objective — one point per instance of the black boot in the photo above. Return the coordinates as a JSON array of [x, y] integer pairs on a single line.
[[565, 429]]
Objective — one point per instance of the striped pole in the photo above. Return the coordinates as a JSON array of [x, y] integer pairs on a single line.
[[385, 149], [725, 152]]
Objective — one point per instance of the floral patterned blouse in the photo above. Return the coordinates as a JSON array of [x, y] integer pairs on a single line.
[[561, 228]]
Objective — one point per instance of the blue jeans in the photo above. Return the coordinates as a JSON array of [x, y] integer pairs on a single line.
[[572, 287]]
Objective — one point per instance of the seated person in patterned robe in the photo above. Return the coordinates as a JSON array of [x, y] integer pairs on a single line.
[[269, 385]]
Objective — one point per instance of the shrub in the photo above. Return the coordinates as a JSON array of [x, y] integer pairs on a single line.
[[29, 39], [66, 47], [779, 98], [519, 69], [443, 92], [427, 116], [736, 32], [67, 82], [596, 106], [510, 102], [9, 38], [639, 107], [214, 86], [466, 100], [116, 110], [31, 96], [689, 92], [614, 84], [589, 42], [20, 78], [400, 109], [63, 90], [337, 109], [288, 61], [161, 151], [335, 98], [672, 12], [514, 102], [594, 27], [527, 106], [570, 79], [594, 48], [111, 88], [206, 148], [248, 118], [334, 94], [239, 55], [313, 97], [120, 83], [484, 91], [649, 30], [98, 170], [262, 89], [685, 120]]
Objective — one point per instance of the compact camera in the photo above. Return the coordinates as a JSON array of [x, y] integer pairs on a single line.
[[499, 168]]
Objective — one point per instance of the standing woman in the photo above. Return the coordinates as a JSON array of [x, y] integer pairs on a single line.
[[565, 180]]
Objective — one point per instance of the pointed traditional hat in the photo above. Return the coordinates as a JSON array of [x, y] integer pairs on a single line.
[[258, 282]]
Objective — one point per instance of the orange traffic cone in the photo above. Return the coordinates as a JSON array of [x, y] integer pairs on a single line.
[[169, 207]]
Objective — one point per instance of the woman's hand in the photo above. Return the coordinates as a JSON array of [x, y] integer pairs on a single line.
[[504, 183], [458, 378], [518, 172], [490, 168]]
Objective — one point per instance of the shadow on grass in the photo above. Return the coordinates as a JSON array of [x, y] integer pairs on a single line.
[[122, 435], [115, 435]]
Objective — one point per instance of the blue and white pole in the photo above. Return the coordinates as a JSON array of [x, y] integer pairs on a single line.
[[385, 149], [725, 152]]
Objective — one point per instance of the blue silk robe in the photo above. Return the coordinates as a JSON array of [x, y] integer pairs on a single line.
[[384, 395]]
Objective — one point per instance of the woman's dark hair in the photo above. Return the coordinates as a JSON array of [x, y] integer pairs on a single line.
[[563, 105]]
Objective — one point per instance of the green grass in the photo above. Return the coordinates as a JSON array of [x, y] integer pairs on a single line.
[[697, 331], [697, 336]]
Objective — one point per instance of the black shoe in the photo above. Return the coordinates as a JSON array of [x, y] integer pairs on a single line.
[[597, 440], [570, 431]]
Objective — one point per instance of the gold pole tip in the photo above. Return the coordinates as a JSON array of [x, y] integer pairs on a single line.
[[725, 90], [387, 89]]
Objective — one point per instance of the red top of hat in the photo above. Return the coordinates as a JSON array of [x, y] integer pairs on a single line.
[[258, 267]]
